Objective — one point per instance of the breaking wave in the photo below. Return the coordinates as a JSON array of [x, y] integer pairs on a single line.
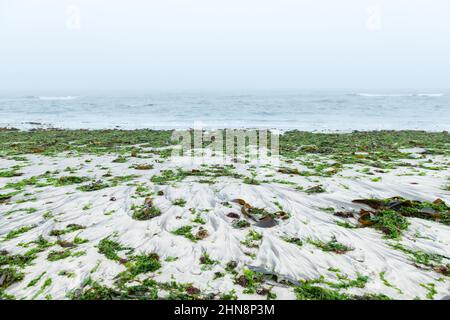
[[58, 98], [380, 95]]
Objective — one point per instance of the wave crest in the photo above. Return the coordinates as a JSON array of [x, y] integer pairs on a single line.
[[398, 95], [58, 98]]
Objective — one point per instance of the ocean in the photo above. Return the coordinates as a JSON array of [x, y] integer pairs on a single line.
[[309, 112]]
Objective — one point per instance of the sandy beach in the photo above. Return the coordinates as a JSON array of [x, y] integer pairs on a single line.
[[111, 215]]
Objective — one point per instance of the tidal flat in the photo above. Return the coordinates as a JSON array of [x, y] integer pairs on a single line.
[[111, 214]]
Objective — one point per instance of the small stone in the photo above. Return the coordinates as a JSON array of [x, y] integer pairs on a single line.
[[233, 215], [267, 222], [202, 233], [262, 291]]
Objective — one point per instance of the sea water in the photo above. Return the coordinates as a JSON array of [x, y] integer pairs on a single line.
[[324, 112]]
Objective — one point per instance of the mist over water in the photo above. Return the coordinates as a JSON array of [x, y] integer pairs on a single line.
[[309, 112]]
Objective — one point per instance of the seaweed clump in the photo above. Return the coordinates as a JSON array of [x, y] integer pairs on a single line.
[[8, 276], [261, 217], [146, 211], [389, 215]]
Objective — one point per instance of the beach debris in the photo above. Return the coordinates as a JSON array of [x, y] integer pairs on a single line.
[[390, 222], [148, 202], [186, 231], [66, 244], [389, 215], [437, 210], [240, 202], [206, 259], [146, 211], [373, 203], [241, 224], [267, 222], [110, 248], [315, 189], [94, 186], [8, 276], [120, 159], [69, 228], [425, 260], [251, 180], [331, 246], [10, 174], [233, 215], [58, 255], [289, 170], [253, 239], [444, 269], [365, 218], [167, 176], [250, 280], [262, 291], [202, 233], [260, 216], [439, 202], [179, 202], [293, 240], [242, 281], [343, 214], [142, 166], [191, 290], [69, 180], [5, 197], [231, 265], [136, 265]]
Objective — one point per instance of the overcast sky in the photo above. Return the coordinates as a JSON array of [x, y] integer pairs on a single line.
[[72, 47]]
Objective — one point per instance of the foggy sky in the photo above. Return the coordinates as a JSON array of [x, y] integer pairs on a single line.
[[221, 45]]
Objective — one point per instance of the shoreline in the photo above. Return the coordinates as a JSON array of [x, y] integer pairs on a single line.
[[41, 127], [110, 214]]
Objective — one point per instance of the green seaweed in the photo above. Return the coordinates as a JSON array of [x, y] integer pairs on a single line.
[[179, 202], [387, 283], [331, 246], [15, 233], [110, 248], [185, 231], [69, 228], [390, 222], [9, 276], [249, 280]]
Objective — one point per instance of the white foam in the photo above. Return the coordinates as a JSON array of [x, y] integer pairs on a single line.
[[58, 98]]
